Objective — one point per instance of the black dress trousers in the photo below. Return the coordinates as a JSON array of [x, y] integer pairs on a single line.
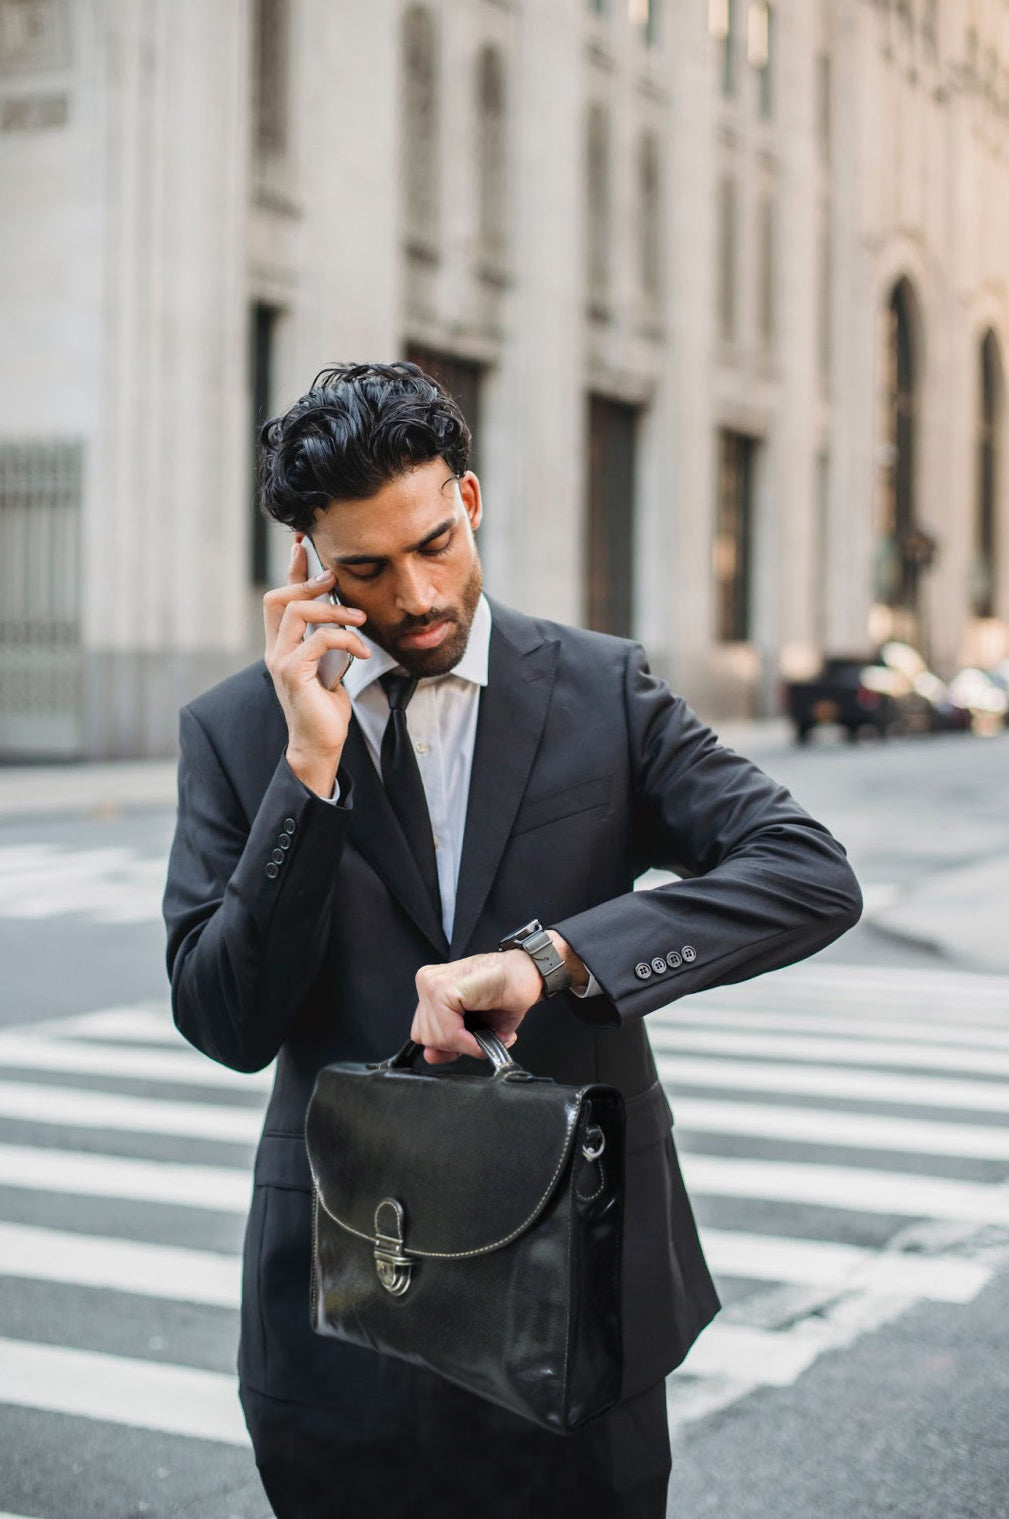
[[408, 1445]]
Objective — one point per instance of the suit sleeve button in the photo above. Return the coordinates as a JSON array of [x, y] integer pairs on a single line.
[[272, 870], [658, 965], [674, 958], [289, 825], [689, 953], [642, 970], [284, 840], [277, 857]]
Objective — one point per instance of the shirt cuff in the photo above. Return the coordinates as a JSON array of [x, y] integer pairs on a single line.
[[592, 990], [334, 799]]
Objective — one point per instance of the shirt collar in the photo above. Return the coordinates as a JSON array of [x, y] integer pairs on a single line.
[[472, 667]]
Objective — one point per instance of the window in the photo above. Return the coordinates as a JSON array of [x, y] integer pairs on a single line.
[[644, 15], [598, 206], [271, 21], [461, 378], [821, 550], [727, 260], [650, 218], [760, 52], [823, 103], [732, 550], [609, 558], [901, 546], [824, 347], [491, 148], [766, 313], [419, 157], [723, 23], [930, 27]]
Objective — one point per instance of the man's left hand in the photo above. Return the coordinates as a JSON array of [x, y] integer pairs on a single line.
[[501, 987]]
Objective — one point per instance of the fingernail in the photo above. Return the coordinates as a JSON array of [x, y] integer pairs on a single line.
[[318, 579]]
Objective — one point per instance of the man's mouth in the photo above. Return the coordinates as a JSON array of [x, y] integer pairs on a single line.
[[427, 637]]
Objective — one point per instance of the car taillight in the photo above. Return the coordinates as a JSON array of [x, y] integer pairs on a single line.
[[867, 698]]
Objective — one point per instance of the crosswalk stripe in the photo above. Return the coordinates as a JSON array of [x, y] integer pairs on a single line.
[[851, 1051], [130, 1025], [181, 1067], [84, 1260], [820, 1263], [82, 1108], [153, 1181], [827, 1081], [863, 1191], [690, 1013], [980, 996], [862, 1131], [758, 1357], [174, 1400]]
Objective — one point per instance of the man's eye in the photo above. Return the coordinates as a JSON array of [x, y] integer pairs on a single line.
[[432, 550], [364, 572]]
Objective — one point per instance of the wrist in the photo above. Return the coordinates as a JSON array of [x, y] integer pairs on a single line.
[[573, 963], [316, 771]]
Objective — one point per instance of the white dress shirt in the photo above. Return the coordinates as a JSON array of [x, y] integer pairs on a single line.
[[441, 721]]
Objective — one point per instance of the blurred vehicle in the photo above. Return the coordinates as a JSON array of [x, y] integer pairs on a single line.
[[893, 692], [984, 696]]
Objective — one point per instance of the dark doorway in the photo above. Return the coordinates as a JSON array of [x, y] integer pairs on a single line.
[[983, 568], [462, 378], [732, 548], [262, 356], [904, 551], [609, 558]]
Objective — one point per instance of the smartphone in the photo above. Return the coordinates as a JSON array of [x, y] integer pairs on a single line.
[[335, 663]]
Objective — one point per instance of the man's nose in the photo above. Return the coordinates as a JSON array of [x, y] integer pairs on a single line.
[[415, 595]]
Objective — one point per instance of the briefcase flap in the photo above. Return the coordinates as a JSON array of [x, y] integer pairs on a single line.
[[471, 1161]]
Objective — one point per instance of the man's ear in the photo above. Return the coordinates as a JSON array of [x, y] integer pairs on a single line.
[[469, 490]]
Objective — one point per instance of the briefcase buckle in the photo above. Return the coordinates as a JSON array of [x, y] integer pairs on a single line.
[[392, 1263]]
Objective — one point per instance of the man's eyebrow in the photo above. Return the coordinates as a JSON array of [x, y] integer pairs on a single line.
[[352, 559]]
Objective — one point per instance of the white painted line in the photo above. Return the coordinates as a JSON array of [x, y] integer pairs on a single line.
[[854, 1051], [759, 1357], [174, 1400], [861, 1191], [182, 1066], [78, 1108], [83, 1260], [979, 997], [130, 1025], [826, 1126], [689, 1014], [819, 1263], [678, 1071], [219, 1188]]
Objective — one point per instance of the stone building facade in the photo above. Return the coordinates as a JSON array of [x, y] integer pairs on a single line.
[[721, 284]]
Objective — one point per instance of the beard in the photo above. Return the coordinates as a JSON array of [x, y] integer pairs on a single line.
[[440, 660]]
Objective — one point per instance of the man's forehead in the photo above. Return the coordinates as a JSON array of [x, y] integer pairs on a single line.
[[391, 522]]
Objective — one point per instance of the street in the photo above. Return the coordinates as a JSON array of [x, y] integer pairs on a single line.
[[842, 1126]]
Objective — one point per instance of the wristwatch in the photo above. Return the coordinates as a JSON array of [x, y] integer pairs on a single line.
[[538, 945]]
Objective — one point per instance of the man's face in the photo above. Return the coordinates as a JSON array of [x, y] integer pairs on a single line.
[[406, 557]]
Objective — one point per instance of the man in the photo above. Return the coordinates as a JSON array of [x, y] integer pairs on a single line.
[[347, 863]]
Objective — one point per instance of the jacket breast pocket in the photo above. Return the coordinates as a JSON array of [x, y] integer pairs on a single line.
[[584, 796]]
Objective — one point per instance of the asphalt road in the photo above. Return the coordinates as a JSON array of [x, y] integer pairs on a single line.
[[842, 1127]]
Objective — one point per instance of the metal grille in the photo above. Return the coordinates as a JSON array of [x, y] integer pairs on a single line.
[[40, 599]]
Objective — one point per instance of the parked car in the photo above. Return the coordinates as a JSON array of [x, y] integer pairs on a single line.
[[891, 692]]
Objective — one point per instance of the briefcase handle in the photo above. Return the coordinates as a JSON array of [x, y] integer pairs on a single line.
[[488, 1041]]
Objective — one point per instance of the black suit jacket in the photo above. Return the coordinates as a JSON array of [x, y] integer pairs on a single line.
[[295, 929]]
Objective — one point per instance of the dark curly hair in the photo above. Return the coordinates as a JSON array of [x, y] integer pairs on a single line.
[[357, 428]]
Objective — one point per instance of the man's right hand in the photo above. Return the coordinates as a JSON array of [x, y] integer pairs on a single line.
[[317, 719]]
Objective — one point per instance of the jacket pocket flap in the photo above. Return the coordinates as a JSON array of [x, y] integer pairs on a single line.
[[561, 804]]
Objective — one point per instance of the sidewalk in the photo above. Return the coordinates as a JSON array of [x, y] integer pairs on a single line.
[[964, 914], [88, 790]]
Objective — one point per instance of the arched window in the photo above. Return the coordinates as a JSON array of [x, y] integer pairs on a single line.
[[650, 219], [903, 549], [597, 240], [419, 157], [983, 566], [492, 137]]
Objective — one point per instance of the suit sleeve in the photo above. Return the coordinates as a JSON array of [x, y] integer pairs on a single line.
[[765, 884], [247, 907]]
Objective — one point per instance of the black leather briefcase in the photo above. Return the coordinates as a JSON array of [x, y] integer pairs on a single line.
[[471, 1225]]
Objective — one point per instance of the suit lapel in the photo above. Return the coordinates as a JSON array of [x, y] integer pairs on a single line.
[[375, 833], [513, 709]]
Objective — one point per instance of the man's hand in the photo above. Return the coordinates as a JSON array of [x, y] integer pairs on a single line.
[[501, 987], [317, 719]]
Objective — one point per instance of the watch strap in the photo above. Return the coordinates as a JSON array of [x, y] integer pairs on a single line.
[[538, 945]]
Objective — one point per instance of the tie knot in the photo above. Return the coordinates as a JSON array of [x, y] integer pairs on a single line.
[[398, 689]]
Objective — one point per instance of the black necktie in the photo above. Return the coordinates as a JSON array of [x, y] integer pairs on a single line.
[[403, 785]]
